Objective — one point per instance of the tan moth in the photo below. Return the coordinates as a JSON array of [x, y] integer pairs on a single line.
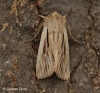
[[53, 52]]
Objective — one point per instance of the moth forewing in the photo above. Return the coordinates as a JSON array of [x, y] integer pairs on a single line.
[[63, 70], [53, 53], [44, 61]]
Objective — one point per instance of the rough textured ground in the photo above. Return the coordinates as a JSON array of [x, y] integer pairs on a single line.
[[18, 23]]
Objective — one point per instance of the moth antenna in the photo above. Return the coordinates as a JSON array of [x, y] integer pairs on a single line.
[[67, 13], [38, 31], [69, 31], [42, 16]]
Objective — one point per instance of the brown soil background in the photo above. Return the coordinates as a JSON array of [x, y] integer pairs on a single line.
[[18, 23]]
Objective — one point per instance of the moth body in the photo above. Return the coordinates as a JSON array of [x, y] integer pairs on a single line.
[[53, 53]]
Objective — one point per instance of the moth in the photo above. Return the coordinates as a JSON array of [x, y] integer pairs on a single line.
[[53, 52]]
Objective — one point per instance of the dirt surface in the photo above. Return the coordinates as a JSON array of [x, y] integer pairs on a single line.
[[18, 24]]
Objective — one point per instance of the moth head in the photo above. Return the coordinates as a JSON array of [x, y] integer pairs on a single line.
[[54, 13]]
